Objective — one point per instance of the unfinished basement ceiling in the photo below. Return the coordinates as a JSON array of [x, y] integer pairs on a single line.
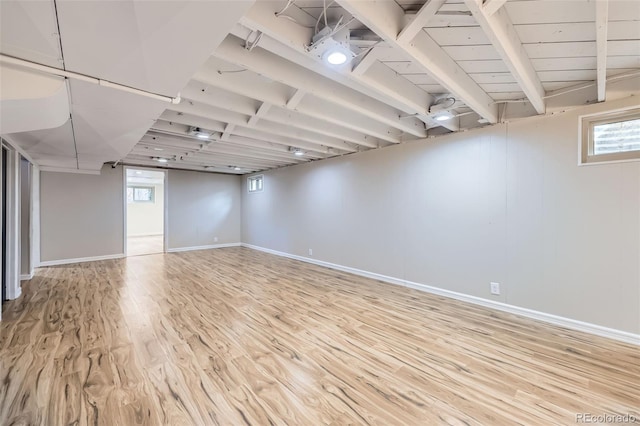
[[263, 99]]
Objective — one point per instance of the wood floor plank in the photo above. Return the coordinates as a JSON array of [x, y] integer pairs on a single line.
[[234, 336]]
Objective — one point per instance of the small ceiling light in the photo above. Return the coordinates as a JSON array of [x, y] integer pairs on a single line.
[[443, 117], [296, 151], [332, 45], [158, 149], [336, 57], [199, 133], [161, 160], [237, 169]]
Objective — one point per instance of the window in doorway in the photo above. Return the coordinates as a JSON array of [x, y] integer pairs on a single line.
[[255, 183], [140, 194]]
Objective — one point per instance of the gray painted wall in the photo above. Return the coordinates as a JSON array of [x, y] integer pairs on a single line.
[[81, 215], [201, 207], [506, 203]]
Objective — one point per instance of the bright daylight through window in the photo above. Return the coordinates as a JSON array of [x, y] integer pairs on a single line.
[[255, 183], [611, 136]]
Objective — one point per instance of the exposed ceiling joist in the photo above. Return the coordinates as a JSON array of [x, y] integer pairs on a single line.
[[251, 85], [386, 18], [274, 67], [386, 80], [489, 7], [394, 89], [602, 20], [265, 142], [228, 131], [426, 12], [294, 100], [220, 98], [261, 112], [281, 136], [227, 116], [505, 40]]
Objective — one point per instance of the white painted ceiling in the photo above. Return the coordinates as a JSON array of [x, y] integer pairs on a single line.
[[244, 74]]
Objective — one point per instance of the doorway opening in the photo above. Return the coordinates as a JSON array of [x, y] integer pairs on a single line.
[[145, 211]]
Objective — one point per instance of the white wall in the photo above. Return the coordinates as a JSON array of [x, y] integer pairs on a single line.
[[506, 203], [146, 218], [201, 208], [81, 215]]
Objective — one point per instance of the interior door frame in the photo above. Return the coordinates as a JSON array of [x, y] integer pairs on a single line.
[[165, 208], [12, 273]]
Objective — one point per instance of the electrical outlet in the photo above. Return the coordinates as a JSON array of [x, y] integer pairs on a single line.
[[215, 239], [310, 252], [495, 288]]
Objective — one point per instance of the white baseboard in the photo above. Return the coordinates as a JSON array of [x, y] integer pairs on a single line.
[[213, 246], [80, 260], [586, 327], [26, 277]]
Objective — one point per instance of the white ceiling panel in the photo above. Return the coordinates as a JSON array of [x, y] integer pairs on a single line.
[[503, 96], [561, 50], [623, 48], [150, 45], [420, 78], [458, 36], [563, 64], [614, 62], [549, 12], [556, 33], [473, 53], [491, 66], [43, 143], [28, 31], [624, 10], [112, 126], [623, 30], [572, 75], [503, 77]]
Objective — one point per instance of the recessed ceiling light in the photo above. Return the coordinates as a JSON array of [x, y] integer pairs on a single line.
[[443, 117], [158, 149], [298, 153], [203, 136], [337, 58], [162, 160], [237, 169]]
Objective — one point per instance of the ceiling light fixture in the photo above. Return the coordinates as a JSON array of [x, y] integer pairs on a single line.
[[444, 116], [296, 151], [199, 133], [331, 45], [160, 159]]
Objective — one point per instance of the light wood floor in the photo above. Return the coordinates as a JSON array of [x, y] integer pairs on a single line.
[[234, 336], [151, 244]]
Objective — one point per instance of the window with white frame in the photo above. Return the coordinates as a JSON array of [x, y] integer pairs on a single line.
[[610, 136], [140, 194], [255, 183]]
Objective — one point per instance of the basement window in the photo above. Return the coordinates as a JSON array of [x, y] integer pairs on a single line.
[[612, 136], [255, 183], [140, 194]]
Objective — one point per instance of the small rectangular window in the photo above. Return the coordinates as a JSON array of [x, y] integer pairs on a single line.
[[140, 194], [612, 136], [255, 183]]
